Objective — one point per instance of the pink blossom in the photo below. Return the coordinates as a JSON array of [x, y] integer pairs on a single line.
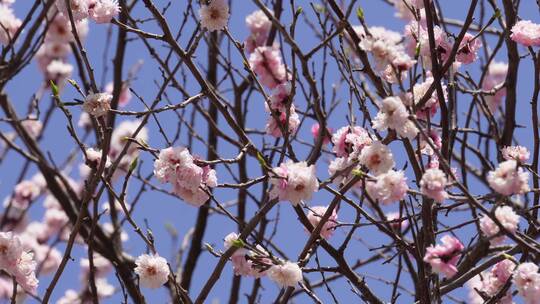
[[433, 184], [246, 262], [59, 30], [102, 266], [267, 64], [490, 285], [416, 36], [126, 129], [177, 166], [506, 216], [396, 71], [434, 138], [9, 24], [443, 258], [279, 99], [403, 8], [509, 178], [48, 258], [215, 15], [25, 272], [259, 26], [396, 221], [377, 157], [79, 8], [419, 91], [70, 297], [58, 71], [93, 158], [518, 153], [315, 215], [26, 191], [287, 274], [526, 33], [125, 94], [383, 44], [388, 187], [393, 115], [273, 126], [153, 270], [316, 132], [102, 11], [33, 126], [341, 165], [197, 196], [54, 220], [97, 104], [349, 139], [294, 182], [468, 48], [503, 270], [495, 78], [527, 281], [17, 262]]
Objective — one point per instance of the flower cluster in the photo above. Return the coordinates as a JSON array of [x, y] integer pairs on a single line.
[[259, 27], [393, 115], [507, 218], [214, 16], [257, 263], [101, 11], [190, 180], [316, 132], [315, 215], [9, 24], [526, 33], [418, 92], [517, 153], [126, 131], [246, 262], [153, 270], [294, 182], [494, 80], [388, 187], [433, 184], [489, 283], [443, 258], [349, 141], [283, 112], [377, 157], [527, 280], [97, 104], [267, 64], [17, 261], [509, 178]]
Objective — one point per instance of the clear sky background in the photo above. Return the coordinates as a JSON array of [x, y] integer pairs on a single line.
[[161, 210]]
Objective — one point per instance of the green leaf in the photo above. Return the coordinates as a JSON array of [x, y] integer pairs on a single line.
[[238, 243], [357, 172], [261, 159], [54, 89], [417, 51], [319, 8], [143, 143], [360, 13], [208, 247], [299, 10], [133, 164], [170, 228], [497, 13]]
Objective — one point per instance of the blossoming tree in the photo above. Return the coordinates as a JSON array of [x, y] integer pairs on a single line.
[[311, 154]]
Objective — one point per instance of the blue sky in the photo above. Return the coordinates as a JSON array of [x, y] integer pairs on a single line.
[[159, 209]]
